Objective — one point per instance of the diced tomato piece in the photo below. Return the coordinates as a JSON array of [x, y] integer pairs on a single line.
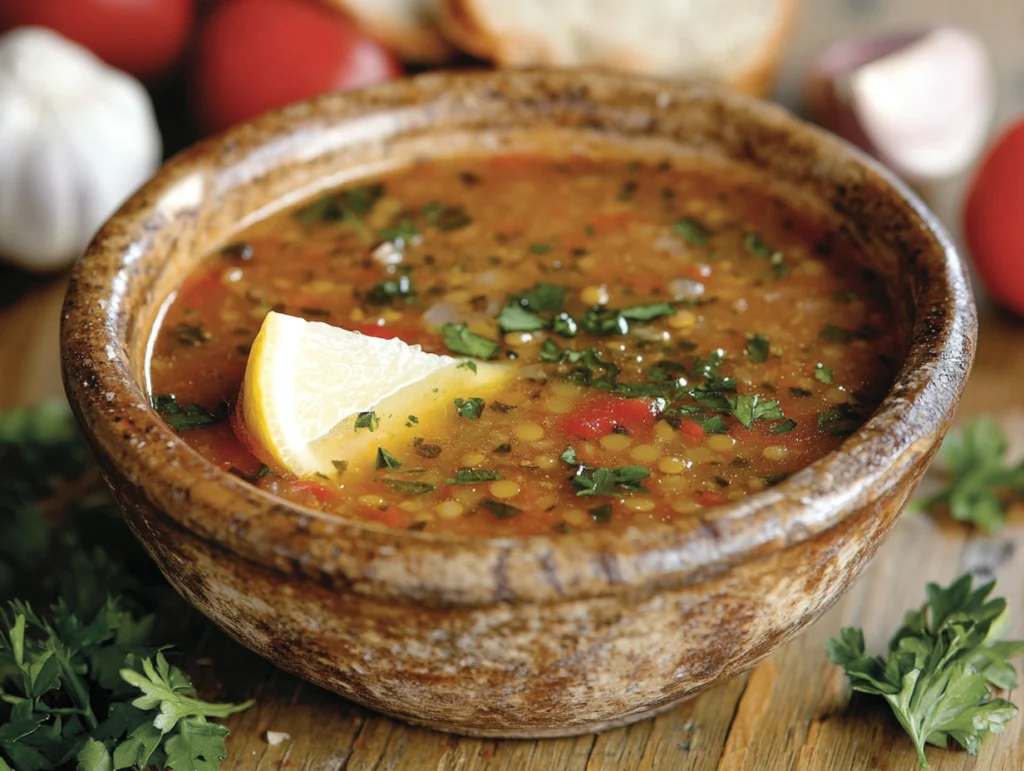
[[692, 429], [392, 516], [405, 334], [600, 417], [709, 499], [320, 491]]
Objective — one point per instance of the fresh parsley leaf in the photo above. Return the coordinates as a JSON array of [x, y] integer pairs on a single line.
[[692, 231], [467, 364], [193, 335], [367, 420], [758, 348], [458, 339], [542, 298], [647, 312], [713, 425], [609, 481], [549, 351], [183, 418], [385, 460], [757, 246], [569, 456], [842, 421], [783, 428], [823, 374], [472, 476], [409, 487], [979, 478], [832, 333], [341, 466], [347, 206], [387, 291], [499, 509], [446, 218], [607, 321], [565, 325], [405, 232], [540, 248], [749, 408], [516, 318], [469, 409], [940, 664], [602, 514]]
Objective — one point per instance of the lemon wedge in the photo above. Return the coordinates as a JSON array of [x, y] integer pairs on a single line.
[[309, 387]]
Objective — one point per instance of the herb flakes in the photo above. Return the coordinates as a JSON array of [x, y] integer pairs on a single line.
[[459, 339], [473, 476]]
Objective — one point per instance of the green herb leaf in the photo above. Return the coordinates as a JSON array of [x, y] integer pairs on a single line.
[[405, 232], [409, 487], [473, 476], [758, 348], [446, 218], [499, 509], [193, 335], [936, 674], [609, 481], [540, 248], [367, 420], [542, 298], [387, 291], [647, 312], [469, 409], [569, 456], [978, 476], [183, 418], [602, 514], [842, 421], [467, 364], [692, 231], [458, 339], [749, 408], [823, 374], [385, 460], [341, 466], [565, 325], [549, 351], [516, 318], [831, 333], [347, 206], [783, 428]]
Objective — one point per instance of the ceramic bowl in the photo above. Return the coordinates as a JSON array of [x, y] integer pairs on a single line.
[[541, 636]]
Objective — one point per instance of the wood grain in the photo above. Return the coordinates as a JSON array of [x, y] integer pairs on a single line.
[[792, 712]]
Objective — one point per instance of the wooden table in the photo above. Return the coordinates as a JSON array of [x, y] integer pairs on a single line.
[[793, 711]]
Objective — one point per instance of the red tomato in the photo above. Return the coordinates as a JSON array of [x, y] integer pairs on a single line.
[[321, 492], [994, 219], [143, 37], [691, 429], [600, 417], [255, 55]]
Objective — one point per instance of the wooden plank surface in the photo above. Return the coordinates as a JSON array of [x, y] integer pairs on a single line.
[[792, 712]]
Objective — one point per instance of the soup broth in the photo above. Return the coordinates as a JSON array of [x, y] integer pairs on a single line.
[[680, 339]]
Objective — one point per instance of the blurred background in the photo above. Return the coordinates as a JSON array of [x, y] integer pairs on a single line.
[[929, 86]]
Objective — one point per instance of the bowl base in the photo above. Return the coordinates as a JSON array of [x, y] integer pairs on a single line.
[[554, 732]]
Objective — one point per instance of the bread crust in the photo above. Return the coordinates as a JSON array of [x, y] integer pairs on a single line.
[[462, 23], [412, 42]]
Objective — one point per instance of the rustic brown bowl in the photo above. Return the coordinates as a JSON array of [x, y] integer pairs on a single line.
[[541, 636]]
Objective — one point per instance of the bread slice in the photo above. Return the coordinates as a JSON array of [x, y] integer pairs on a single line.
[[407, 27], [738, 42]]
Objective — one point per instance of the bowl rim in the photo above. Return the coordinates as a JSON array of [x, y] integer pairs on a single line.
[[436, 568]]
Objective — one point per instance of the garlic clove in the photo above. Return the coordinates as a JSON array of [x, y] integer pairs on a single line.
[[922, 103]]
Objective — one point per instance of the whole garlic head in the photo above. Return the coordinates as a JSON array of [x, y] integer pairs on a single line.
[[76, 138]]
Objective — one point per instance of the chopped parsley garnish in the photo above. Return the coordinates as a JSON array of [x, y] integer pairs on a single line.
[[757, 348], [607, 321], [409, 487], [499, 509], [831, 333], [823, 374], [692, 231], [467, 364], [405, 232], [516, 318], [569, 456], [469, 409], [602, 514], [473, 476], [458, 339], [348, 206], [385, 460], [183, 418], [749, 408], [387, 291], [564, 325], [367, 420], [540, 248], [842, 421], [341, 466], [609, 481], [425, 450], [941, 667], [446, 218], [783, 428], [713, 425], [194, 335], [759, 248], [542, 298]]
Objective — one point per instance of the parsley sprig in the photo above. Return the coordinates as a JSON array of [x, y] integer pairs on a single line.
[[82, 683], [941, 663], [979, 478]]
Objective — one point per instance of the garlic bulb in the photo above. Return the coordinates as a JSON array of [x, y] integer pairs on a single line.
[[76, 137]]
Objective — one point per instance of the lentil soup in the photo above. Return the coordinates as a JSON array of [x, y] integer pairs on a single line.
[[681, 339]]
